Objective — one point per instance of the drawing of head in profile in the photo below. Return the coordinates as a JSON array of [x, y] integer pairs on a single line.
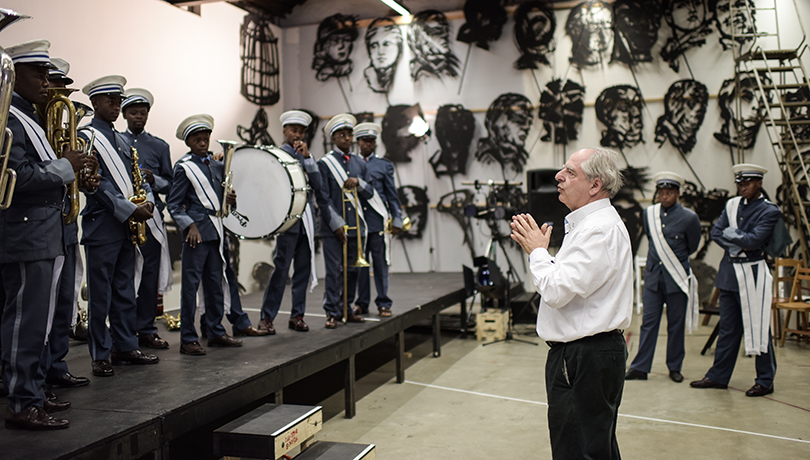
[[739, 22], [684, 109], [429, 41], [734, 133], [414, 205], [333, 47], [485, 20], [619, 108], [534, 34], [635, 25], [257, 133], [690, 23], [590, 27], [403, 128], [455, 127], [561, 106], [507, 122], [384, 46]]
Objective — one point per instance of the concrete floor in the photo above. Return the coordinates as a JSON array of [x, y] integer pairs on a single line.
[[481, 402]]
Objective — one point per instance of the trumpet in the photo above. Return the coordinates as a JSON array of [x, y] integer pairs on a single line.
[[228, 148], [61, 137], [359, 261], [8, 176], [137, 229]]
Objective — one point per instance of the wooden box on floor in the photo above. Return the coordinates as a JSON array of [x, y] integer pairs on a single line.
[[269, 431], [491, 325]]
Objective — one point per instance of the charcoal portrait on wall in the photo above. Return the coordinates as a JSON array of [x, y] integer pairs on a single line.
[[737, 24], [635, 26], [535, 24], [684, 109], [398, 131], [455, 127], [414, 205], [256, 133], [333, 47], [485, 20], [590, 26], [736, 133], [507, 122], [561, 106], [429, 42], [619, 108], [384, 46]]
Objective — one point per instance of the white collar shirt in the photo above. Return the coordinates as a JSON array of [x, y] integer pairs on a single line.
[[587, 288]]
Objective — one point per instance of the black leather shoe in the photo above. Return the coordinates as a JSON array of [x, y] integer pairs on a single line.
[[133, 357], [192, 348], [267, 325], [298, 324], [331, 322], [224, 341], [33, 418], [68, 380], [708, 383], [634, 374], [352, 318], [250, 331], [152, 341], [103, 368], [53, 404], [676, 376], [758, 390]]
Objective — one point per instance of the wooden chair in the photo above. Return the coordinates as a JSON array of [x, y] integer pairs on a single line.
[[782, 284], [801, 283]]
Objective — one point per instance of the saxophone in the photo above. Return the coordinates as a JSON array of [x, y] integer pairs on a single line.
[[137, 230]]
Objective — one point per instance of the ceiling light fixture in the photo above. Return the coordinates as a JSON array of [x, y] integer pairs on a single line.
[[397, 7]]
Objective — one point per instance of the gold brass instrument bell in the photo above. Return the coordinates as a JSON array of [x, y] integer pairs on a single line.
[[228, 147], [406, 225], [359, 261]]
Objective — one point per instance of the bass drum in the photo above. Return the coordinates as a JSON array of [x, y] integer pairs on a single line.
[[272, 192]]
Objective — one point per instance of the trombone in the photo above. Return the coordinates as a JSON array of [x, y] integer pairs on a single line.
[[8, 177], [359, 261], [228, 148]]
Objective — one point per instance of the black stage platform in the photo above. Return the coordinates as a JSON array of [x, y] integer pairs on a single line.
[[142, 409]]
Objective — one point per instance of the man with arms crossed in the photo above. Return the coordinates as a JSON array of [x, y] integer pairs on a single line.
[[587, 299]]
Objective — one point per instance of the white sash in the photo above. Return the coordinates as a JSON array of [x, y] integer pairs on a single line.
[[687, 283], [309, 227], [158, 229], [77, 287], [339, 174], [58, 263], [208, 198], [36, 134], [755, 295]]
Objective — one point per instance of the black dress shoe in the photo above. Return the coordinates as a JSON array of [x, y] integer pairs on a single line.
[[352, 318], [267, 325], [634, 374], [152, 341], [708, 383], [331, 322], [676, 376], [192, 348], [68, 380], [103, 368], [250, 331], [224, 341], [133, 357], [759, 390], [33, 418], [53, 404], [298, 324]]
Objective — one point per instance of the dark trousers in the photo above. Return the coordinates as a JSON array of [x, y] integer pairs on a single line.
[[237, 317], [148, 290], [728, 344], [375, 248], [30, 293], [111, 292], [54, 363], [333, 264], [290, 248], [202, 263], [676, 319], [584, 383]]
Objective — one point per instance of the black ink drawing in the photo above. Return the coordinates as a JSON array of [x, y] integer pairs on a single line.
[[333, 47], [414, 205], [455, 127], [384, 46], [733, 132], [312, 129], [534, 34], [800, 113], [739, 22], [507, 122], [561, 108], [590, 26], [454, 203], [429, 41], [260, 64], [628, 207], [690, 23], [619, 108], [402, 131], [635, 26], [684, 109], [257, 133], [485, 20]]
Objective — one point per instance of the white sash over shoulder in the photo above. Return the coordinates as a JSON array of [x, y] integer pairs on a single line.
[[36, 134]]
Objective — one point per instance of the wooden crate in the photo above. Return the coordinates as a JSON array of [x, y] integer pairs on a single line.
[[491, 325]]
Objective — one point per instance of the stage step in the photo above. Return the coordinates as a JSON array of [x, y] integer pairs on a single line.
[[324, 450], [268, 432]]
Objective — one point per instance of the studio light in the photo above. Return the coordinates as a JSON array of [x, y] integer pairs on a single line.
[[397, 7]]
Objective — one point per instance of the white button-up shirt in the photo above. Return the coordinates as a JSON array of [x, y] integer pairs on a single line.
[[588, 287]]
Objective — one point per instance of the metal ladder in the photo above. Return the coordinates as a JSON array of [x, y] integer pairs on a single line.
[[783, 91]]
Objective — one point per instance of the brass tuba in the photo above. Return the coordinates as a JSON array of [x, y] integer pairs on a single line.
[[62, 136], [228, 148], [137, 229]]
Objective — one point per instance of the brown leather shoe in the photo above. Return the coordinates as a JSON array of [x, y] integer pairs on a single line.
[[298, 324], [759, 390], [33, 418], [358, 310], [192, 348], [152, 341], [102, 368], [250, 331], [53, 404], [331, 322], [267, 325], [352, 318], [708, 383], [224, 341], [133, 357], [384, 312]]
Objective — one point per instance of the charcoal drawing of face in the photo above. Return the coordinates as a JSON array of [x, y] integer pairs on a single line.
[[619, 108], [590, 27], [535, 24], [333, 47], [635, 24], [740, 22], [257, 133], [485, 20], [414, 205], [733, 132], [684, 109], [561, 107], [455, 127], [690, 22], [397, 132], [799, 113], [312, 129], [507, 122], [384, 46], [429, 41]]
